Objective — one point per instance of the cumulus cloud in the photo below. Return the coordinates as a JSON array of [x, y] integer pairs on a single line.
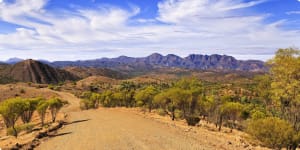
[[181, 27]]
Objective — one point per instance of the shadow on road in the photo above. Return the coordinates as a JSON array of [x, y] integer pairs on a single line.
[[60, 134], [77, 121]]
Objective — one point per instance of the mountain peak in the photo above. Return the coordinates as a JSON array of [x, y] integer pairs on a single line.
[[13, 60], [34, 71], [156, 55]]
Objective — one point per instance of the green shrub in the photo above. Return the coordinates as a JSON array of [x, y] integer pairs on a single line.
[[42, 109], [86, 104], [55, 104], [51, 87], [11, 110], [161, 112], [192, 120], [24, 127], [178, 114], [273, 132], [257, 115], [31, 105]]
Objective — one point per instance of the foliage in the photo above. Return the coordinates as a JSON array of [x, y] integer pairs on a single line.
[[90, 100], [55, 104], [192, 120], [230, 111], [24, 127], [145, 97], [11, 110], [273, 132], [42, 109], [285, 86], [31, 105]]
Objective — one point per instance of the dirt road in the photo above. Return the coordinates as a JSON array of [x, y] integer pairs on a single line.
[[110, 129], [116, 129]]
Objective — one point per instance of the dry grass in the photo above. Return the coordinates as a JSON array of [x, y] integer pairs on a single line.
[[24, 90]]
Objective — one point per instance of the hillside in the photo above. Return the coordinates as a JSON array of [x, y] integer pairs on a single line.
[[84, 72], [36, 72], [193, 61]]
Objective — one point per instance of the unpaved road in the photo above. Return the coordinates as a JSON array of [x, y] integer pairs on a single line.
[[114, 130]]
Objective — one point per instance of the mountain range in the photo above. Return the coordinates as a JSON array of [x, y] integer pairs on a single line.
[[193, 61], [121, 67]]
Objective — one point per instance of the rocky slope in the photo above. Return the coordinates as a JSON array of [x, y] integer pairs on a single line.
[[36, 72]]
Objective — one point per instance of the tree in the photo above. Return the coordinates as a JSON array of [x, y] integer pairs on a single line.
[[128, 88], [145, 97], [42, 109], [285, 86], [196, 89], [55, 104], [106, 98], [11, 110], [230, 111], [89, 100], [31, 105], [263, 88], [272, 131], [173, 99]]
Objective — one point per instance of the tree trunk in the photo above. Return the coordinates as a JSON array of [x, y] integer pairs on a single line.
[[15, 131], [173, 113], [220, 122]]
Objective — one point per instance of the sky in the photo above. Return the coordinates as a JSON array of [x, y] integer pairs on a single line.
[[89, 29]]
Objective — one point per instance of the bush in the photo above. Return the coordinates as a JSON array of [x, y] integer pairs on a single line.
[[161, 112], [178, 114], [192, 120], [11, 110], [42, 109], [55, 104], [24, 127], [273, 132], [31, 105], [86, 104]]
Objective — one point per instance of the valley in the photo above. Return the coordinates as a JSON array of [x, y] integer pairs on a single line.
[[45, 106]]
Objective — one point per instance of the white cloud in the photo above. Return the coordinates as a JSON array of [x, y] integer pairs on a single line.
[[181, 27], [293, 12]]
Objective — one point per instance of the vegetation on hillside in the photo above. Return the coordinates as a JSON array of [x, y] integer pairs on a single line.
[[266, 108]]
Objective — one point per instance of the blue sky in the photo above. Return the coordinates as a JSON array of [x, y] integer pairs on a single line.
[[88, 29]]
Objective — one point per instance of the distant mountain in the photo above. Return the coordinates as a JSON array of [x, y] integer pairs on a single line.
[[194, 61], [13, 60], [36, 72]]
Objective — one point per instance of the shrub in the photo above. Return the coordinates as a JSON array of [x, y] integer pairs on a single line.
[[178, 114], [20, 128], [255, 114], [192, 120], [55, 104], [86, 104], [161, 112], [11, 110], [31, 105], [42, 109], [273, 132]]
